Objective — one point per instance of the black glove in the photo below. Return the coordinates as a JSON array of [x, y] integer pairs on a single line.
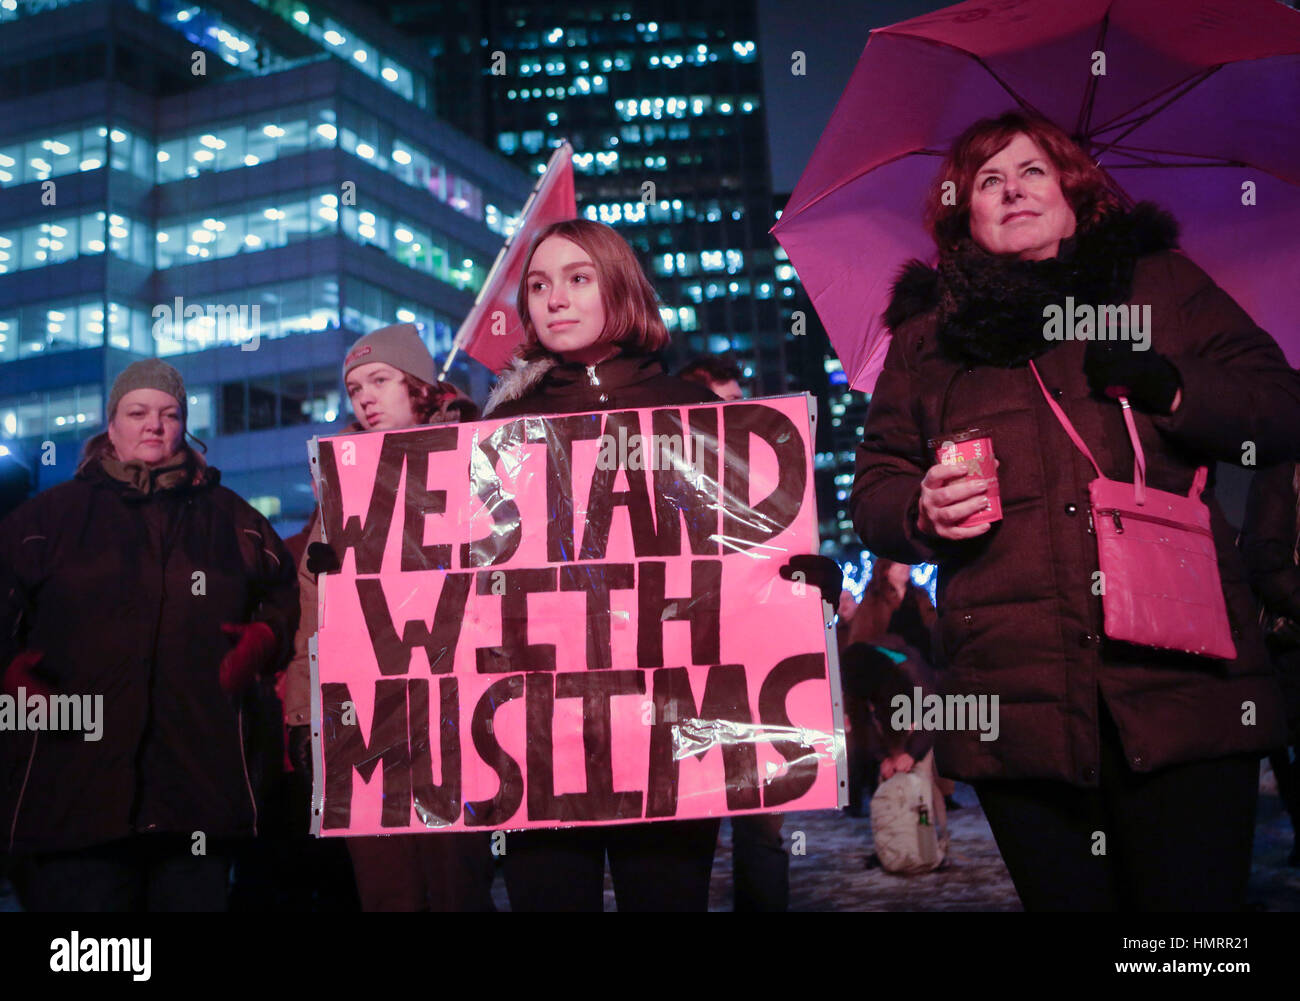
[[321, 558], [1148, 379], [821, 572], [300, 751]]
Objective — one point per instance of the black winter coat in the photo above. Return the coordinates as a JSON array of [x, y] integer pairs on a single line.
[[626, 381], [104, 580], [1017, 613], [1270, 534]]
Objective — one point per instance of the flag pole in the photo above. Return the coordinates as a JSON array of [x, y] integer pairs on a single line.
[[476, 311]]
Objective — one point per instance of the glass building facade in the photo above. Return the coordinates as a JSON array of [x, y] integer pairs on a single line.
[[662, 101], [240, 188]]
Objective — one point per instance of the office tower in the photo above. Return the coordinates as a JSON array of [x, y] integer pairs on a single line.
[[662, 101], [241, 188]]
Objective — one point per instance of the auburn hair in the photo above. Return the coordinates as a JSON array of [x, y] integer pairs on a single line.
[[1083, 183], [438, 403], [631, 308]]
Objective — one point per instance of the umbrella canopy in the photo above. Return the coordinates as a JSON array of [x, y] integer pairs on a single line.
[[1195, 106]]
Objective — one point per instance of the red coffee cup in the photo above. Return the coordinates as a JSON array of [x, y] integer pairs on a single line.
[[972, 448]]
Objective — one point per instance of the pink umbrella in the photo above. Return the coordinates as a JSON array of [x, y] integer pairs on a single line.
[[1195, 106]]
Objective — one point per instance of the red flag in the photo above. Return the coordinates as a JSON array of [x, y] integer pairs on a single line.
[[493, 329]]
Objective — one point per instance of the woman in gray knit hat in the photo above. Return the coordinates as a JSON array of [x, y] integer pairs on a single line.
[[149, 596], [392, 383]]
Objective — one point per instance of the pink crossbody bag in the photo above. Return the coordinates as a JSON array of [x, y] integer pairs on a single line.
[[1160, 571]]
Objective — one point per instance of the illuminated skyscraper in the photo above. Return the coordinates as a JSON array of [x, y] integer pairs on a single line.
[[662, 101], [241, 188]]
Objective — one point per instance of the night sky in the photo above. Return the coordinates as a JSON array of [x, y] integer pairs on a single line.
[[831, 34]]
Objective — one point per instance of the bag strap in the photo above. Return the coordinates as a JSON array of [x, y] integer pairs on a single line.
[[1139, 457], [1065, 421]]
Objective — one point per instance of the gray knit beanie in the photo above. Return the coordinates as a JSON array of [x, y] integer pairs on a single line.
[[398, 345], [152, 373]]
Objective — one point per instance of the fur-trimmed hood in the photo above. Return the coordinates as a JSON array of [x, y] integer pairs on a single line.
[[521, 378], [990, 308]]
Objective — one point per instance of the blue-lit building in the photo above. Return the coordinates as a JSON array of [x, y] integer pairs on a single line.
[[242, 188], [662, 100]]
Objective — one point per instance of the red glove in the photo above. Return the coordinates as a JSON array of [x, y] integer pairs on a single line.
[[19, 675], [252, 653]]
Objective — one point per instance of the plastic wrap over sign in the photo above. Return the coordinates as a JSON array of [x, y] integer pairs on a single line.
[[543, 622]]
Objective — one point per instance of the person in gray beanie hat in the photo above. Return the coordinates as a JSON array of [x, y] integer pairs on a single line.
[[398, 345], [152, 373], [392, 382]]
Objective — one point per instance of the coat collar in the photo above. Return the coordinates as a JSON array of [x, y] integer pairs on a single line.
[[553, 375], [989, 309]]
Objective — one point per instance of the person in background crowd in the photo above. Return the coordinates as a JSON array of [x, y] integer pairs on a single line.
[[593, 330], [718, 373], [1146, 745], [145, 588], [761, 864], [893, 612], [15, 480], [1270, 544], [876, 672], [392, 383]]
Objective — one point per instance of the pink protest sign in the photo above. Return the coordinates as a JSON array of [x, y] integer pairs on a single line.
[[542, 622]]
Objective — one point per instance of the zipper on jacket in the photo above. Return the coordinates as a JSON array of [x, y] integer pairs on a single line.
[[591, 374], [243, 760], [13, 825], [1115, 513]]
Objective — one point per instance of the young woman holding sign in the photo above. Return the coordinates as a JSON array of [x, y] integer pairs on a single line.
[[592, 328], [392, 383]]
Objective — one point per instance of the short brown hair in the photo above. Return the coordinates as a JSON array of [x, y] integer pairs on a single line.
[[440, 403], [1083, 183], [708, 370], [631, 308]]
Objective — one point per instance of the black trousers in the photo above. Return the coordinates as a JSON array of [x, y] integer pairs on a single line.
[[1179, 839], [664, 866], [153, 872], [424, 872], [761, 865]]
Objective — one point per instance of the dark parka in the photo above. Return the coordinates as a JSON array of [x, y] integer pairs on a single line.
[[546, 386], [1017, 614], [101, 577], [1270, 537]]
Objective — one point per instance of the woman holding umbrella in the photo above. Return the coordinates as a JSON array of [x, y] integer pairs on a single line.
[[1123, 777]]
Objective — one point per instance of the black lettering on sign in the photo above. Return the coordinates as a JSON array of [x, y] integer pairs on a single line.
[[602, 498], [702, 608], [367, 540], [420, 500], [560, 433], [598, 579], [346, 750], [745, 525], [393, 653], [484, 484], [510, 792], [436, 804], [802, 773], [515, 652], [726, 697], [692, 497], [600, 801]]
